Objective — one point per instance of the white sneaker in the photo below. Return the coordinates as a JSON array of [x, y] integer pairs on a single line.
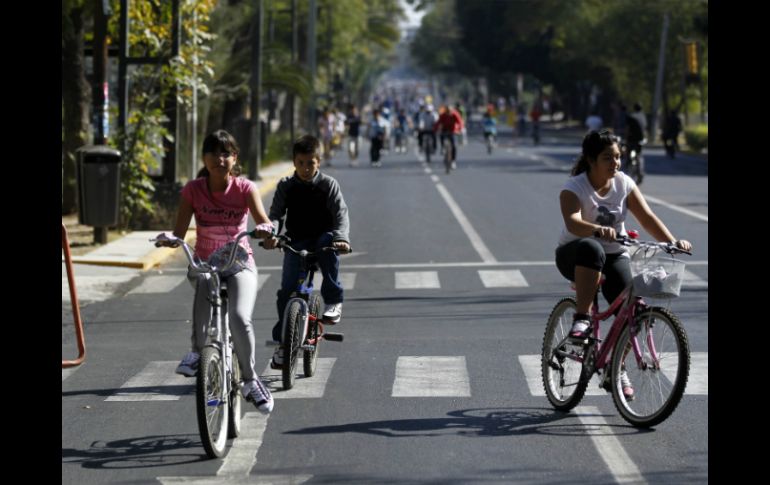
[[189, 365], [277, 361], [625, 385], [256, 392], [333, 312]]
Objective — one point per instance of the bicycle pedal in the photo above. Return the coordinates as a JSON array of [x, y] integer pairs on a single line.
[[335, 337], [308, 347]]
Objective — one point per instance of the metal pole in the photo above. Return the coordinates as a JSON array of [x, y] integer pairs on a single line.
[[311, 63], [256, 82], [294, 51], [123, 70], [194, 120], [659, 80]]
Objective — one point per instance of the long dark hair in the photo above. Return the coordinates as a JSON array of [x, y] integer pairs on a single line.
[[220, 141], [593, 144]]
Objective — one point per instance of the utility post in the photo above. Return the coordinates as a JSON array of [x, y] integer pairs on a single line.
[[256, 83], [659, 79], [101, 89], [311, 63], [294, 50]]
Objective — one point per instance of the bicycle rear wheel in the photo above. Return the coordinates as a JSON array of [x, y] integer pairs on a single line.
[[234, 403], [562, 363], [292, 340], [211, 402], [310, 357], [658, 383]]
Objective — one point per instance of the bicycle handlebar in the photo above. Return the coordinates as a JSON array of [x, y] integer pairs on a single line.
[[668, 247], [283, 243], [202, 266]]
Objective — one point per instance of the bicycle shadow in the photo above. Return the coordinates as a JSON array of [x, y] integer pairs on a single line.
[[481, 422], [146, 452]]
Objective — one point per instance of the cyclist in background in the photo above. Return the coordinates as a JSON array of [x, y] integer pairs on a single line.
[[221, 202], [489, 123], [449, 123], [595, 202]]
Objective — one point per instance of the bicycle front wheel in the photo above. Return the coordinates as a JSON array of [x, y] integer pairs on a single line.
[[292, 340], [310, 357], [660, 374], [211, 402], [234, 403], [562, 362]]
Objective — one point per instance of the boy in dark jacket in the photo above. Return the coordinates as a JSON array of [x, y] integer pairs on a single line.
[[315, 216]]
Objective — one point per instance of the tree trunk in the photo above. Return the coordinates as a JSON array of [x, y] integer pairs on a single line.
[[76, 97]]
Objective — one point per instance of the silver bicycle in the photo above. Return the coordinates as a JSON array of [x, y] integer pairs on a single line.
[[218, 381]]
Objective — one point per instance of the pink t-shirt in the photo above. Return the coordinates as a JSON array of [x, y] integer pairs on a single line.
[[219, 216]]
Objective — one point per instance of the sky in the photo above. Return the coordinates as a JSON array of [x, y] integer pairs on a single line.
[[413, 18]]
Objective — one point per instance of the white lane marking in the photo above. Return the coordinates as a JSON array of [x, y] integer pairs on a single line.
[[157, 284], [431, 377], [243, 454], [698, 381], [241, 458], [65, 373], [609, 447], [677, 208], [530, 364], [465, 225], [502, 278], [473, 264], [313, 387], [156, 382], [416, 280]]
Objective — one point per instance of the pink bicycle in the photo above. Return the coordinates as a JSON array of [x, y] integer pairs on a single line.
[[646, 343]]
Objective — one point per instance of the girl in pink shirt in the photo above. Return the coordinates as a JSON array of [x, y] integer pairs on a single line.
[[221, 201]]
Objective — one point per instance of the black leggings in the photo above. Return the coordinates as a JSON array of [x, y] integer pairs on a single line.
[[588, 252]]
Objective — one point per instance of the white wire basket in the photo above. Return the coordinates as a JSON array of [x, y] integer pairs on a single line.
[[656, 274]]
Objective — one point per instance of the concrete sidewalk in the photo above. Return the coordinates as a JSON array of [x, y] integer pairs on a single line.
[[134, 250]]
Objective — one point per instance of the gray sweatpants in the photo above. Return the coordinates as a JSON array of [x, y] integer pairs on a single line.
[[242, 290]]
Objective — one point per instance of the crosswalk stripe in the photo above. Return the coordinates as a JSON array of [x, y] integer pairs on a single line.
[[261, 279], [313, 387], [691, 280], [531, 366], [348, 281], [697, 384], [406, 280], [698, 380], [156, 382], [431, 377], [158, 284], [502, 278]]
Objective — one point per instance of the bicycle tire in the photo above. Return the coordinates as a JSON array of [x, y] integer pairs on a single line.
[[310, 357], [292, 340], [234, 403], [656, 393], [210, 400], [428, 149], [448, 157], [563, 374]]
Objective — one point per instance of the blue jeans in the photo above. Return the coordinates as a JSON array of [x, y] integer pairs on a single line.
[[329, 262]]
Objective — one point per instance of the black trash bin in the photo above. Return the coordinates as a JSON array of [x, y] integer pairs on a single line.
[[98, 177]]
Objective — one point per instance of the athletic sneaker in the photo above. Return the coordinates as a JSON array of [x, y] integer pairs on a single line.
[[580, 329], [189, 365], [277, 361], [256, 392], [625, 384], [333, 312]]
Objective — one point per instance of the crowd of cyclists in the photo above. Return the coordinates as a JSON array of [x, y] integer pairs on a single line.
[[392, 126]]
